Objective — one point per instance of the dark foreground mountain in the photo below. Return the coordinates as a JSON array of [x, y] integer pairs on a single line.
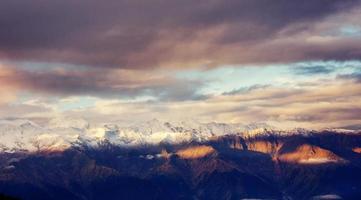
[[324, 165]]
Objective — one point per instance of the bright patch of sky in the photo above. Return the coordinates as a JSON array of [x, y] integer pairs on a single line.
[[350, 30], [229, 78], [56, 103], [75, 103]]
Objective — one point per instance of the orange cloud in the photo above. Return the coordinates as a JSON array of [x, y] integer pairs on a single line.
[[8, 89]]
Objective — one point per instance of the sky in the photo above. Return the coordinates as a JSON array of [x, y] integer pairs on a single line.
[[286, 63]]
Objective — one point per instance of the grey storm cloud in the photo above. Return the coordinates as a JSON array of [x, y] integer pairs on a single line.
[[147, 34]]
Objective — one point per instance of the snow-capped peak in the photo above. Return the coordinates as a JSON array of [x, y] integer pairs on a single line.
[[65, 132]]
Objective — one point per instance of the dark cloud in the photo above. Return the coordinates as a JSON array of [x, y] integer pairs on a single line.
[[353, 76], [102, 83], [246, 89], [312, 70], [142, 34], [355, 127]]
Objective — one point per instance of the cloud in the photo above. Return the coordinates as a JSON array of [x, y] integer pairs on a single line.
[[126, 84], [312, 70], [8, 91], [163, 33], [326, 105], [245, 89], [126, 56], [356, 76]]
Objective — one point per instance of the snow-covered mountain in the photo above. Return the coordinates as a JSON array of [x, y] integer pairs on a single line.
[[25, 135], [61, 133], [231, 154]]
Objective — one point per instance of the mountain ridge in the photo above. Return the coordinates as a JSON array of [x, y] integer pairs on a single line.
[[268, 166], [63, 133]]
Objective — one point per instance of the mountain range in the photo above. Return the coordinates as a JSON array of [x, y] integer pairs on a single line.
[[62, 133], [72, 159]]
